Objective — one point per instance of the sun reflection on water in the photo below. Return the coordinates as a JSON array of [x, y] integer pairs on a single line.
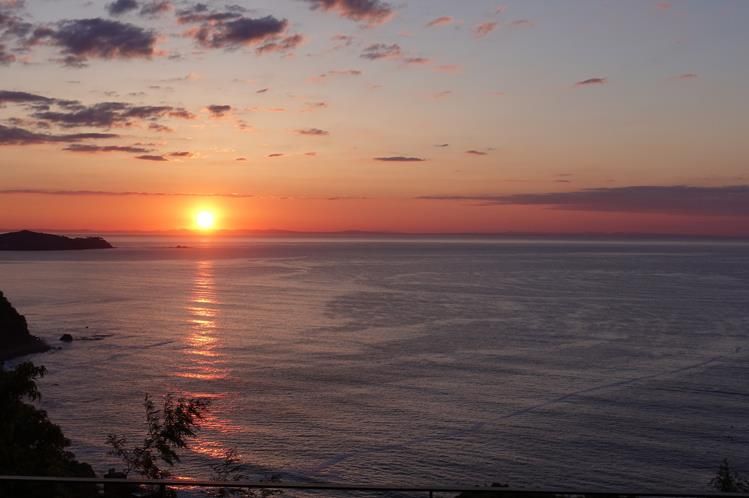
[[205, 363], [203, 341]]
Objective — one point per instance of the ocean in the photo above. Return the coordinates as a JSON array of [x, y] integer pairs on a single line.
[[534, 362]]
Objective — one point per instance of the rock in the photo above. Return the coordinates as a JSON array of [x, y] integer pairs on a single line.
[[26, 240], [15, 338], [66, 338]]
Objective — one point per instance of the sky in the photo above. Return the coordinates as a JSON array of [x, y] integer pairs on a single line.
[[412, 116]]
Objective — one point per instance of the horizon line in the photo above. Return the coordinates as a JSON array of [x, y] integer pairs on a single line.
[[355, 232]]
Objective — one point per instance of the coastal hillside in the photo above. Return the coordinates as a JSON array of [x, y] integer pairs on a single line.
[[15, 338], [26, 240]]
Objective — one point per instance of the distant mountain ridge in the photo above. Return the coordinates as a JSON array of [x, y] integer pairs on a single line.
[[26, 240]]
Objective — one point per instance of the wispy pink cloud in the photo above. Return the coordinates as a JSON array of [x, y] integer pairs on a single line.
[[440, 21], [485, 28]]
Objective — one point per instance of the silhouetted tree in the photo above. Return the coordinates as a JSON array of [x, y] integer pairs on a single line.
[[30, 444], [728, 480], [168, 430]]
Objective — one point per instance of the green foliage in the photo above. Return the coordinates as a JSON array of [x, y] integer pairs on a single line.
[[168, 430], [30, 444], [728, 480]]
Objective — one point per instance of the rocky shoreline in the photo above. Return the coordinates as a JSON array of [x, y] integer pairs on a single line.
[[15, 338]]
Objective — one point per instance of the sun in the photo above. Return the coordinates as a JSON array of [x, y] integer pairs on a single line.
[[205, 220]]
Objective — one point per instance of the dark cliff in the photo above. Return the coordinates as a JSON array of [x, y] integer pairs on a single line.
[[15, 339]]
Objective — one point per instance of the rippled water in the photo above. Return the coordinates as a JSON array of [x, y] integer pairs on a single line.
[[538, 363]]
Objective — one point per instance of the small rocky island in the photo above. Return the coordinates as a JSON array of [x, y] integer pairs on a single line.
[[26, 240], [15, 339]]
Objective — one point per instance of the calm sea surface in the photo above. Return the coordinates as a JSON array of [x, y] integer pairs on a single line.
[[537, 363]]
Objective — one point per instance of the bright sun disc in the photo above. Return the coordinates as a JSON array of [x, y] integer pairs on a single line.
[[205, 220]]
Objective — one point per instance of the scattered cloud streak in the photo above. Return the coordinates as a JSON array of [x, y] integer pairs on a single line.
[[399, 159], [20, 136], [152, 157], [93, 149], [378, 51], [732, 200], [592, 82], [314, 132], [115, 193], [219, 111]]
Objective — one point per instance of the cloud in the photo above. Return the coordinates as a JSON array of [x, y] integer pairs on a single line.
[[151, 157], [592, 81], [342, 41], [241, 159], [219, 111], [440, 21], [115, 193], [663, 5], [474, 152], [442, 94], [314, 106], [381, 51], [159, 128], [83, 39], [400, 159], [7, 96], [106, 114], [92, 149], [335, 73], [180, 154], [687, 76], [262, 90], [317, 132], [311, 154], [156, 8], [732, 200], [120, 7], [21, 136], [417, 60], [522, 23], [442, 145], [230, 29], [281, 45], [5, 56], [368, 11], [485, 28], [275, 154]]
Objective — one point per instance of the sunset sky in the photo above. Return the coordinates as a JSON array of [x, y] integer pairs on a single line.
[[412, 115]]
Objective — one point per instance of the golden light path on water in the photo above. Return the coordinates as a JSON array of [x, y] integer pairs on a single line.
[[204, 362]]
